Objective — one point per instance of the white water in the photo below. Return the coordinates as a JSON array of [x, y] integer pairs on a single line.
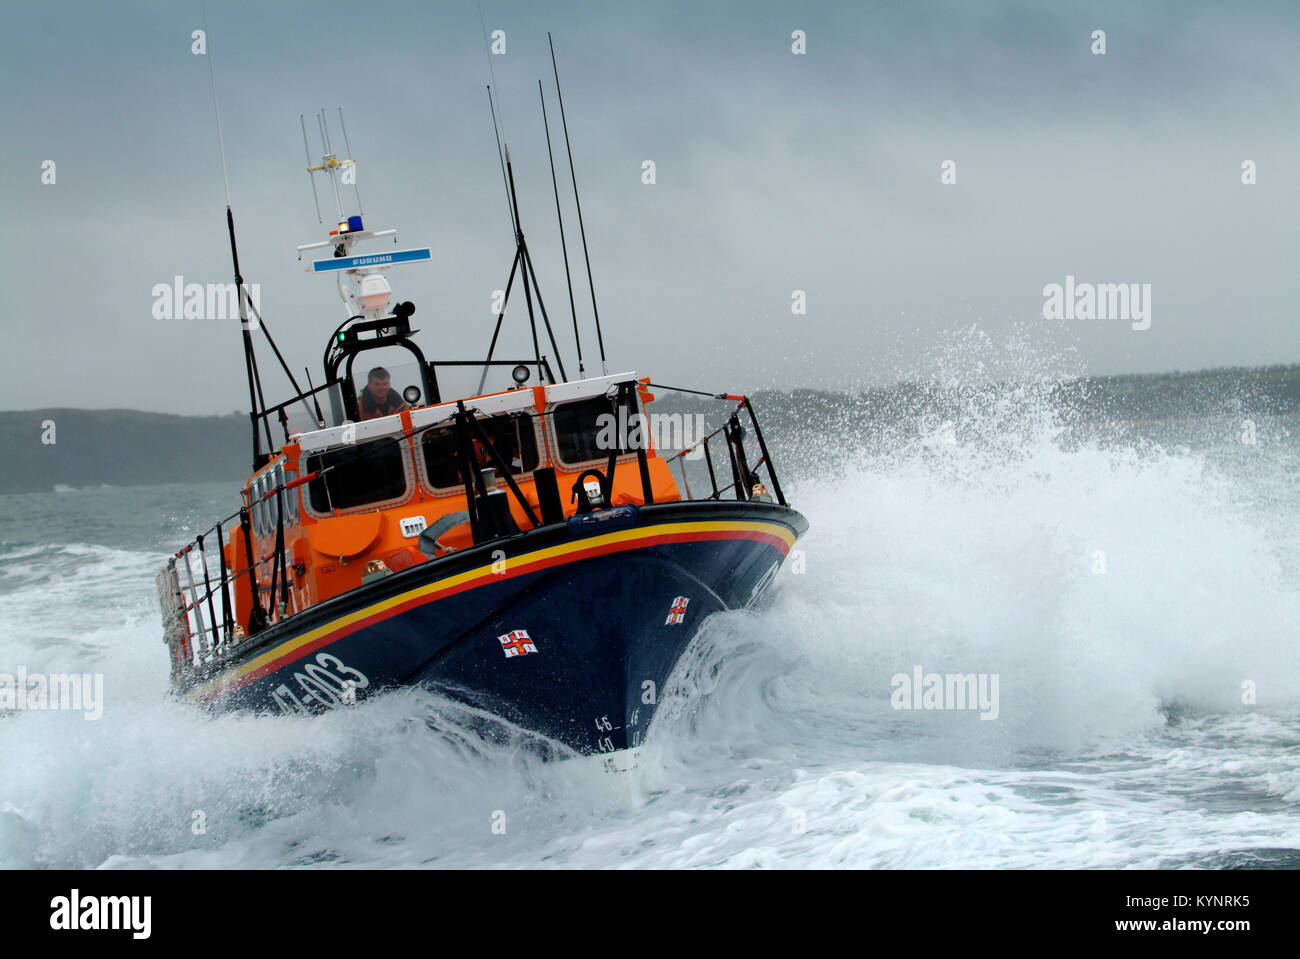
[[1122, 738]]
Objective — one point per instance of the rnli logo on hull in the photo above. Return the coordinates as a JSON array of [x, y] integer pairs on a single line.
[[677, 612], [517, 643]]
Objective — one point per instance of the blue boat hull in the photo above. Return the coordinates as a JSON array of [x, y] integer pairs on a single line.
[[569, 631]]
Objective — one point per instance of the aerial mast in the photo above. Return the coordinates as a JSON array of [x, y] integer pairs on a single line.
[[361, 279], [256, 402], [564, 247], [522, 257], [577, 202]]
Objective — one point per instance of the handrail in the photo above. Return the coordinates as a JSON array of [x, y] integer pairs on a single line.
[[741, 474]]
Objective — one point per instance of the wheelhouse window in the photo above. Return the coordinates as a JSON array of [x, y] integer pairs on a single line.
[[373, 472], [513, 437], [264, 486], [290, 497], [578, 429], [269, 486], [264, 508], [256, 506]]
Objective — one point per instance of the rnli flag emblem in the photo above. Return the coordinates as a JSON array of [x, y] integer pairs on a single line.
[[517, 643], [677, 612]]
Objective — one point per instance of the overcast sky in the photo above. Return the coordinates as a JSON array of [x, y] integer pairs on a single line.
[[775, 172]]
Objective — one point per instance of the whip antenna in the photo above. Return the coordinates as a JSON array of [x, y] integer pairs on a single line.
[[492, 74], [514, 225], [559, 216], [212, 76], [250, 359], [314, 197], [496, 124], [348, 146], [581, 229], [331, 162], [257, 401]]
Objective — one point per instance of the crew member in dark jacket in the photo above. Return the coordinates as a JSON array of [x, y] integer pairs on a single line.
[[378, 398]]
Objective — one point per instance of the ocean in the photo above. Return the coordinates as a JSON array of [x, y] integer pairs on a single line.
[[1124, 593]]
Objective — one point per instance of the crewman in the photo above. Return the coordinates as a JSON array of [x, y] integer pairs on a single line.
[[378, 398]]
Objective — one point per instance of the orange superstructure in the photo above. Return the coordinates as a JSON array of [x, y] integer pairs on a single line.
[[329, 547]]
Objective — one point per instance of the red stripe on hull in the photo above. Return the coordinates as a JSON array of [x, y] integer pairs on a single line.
[[522, 570]]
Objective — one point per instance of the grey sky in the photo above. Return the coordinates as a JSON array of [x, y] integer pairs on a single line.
[[775, 172]]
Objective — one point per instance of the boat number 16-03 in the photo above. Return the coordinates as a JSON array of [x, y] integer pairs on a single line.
[[327, 681]]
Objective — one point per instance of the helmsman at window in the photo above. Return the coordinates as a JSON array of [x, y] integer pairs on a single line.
[[378, 398]]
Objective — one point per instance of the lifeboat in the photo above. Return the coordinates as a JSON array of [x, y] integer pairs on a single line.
[[527, 551]]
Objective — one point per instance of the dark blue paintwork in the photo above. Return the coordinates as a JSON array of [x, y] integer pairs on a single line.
[[604, 647]]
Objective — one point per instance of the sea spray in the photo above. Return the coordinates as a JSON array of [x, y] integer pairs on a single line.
[[1123, 575]]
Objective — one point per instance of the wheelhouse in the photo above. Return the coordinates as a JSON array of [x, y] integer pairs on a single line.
[[369, 489]]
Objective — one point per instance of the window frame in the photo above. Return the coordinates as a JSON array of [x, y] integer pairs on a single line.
[[290, 496], [553, 439], [255, 506], [409, 488], [540, 442], [274, 478]]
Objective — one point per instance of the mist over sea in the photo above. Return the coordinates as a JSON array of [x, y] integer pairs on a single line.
[[1127, 566]]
